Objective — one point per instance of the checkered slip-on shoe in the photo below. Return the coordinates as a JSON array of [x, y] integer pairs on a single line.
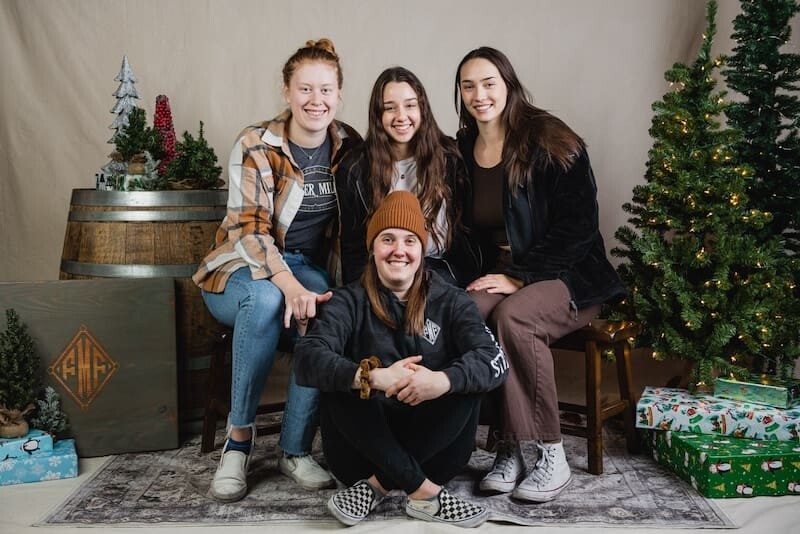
[[448, 509], [352, 505]]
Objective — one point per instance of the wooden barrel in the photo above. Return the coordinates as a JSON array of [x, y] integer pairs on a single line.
[[153, 234]]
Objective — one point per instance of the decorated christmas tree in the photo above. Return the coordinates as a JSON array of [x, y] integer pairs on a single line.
[[769, 115], [162, 121], [702, 284]]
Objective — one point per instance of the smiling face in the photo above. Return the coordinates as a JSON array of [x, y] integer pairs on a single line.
[[313, 96], [483, 91], [401, 117], [397, 254]]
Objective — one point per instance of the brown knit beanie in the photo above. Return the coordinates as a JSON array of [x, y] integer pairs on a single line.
[[400, 209]]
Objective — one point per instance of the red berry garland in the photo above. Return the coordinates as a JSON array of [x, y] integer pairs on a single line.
[[162, 121]]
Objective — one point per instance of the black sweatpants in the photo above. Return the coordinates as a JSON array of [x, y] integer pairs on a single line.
[[401, 445]]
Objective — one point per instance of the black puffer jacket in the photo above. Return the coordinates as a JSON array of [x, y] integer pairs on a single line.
[[354, 191], [553, 229], [455, 340]]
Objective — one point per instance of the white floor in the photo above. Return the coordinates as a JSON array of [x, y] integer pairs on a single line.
[[23, 505]]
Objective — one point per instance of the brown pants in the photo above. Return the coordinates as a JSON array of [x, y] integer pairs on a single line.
[[526, 323]]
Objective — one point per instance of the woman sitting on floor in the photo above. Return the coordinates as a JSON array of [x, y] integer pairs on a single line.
[[410, 422]]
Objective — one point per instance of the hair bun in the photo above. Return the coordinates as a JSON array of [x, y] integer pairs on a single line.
[[323, 44]]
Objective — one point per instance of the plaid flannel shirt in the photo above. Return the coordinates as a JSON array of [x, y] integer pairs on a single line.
[[265, 190]]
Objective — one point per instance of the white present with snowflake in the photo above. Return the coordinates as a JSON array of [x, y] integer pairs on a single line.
[[61, 462]]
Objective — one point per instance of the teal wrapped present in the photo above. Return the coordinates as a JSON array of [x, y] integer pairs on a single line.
[[34, 442], [763, 389], [679, 411], [61, 462], [722, 466]]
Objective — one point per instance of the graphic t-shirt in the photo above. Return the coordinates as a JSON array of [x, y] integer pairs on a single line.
[[405, 179], [307, 230]]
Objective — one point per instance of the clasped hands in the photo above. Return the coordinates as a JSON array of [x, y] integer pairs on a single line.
[[410, 382]]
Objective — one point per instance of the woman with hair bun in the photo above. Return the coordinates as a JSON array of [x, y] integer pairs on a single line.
[[266, 266]]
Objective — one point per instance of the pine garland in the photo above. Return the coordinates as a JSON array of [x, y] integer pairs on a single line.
[[195, 165]]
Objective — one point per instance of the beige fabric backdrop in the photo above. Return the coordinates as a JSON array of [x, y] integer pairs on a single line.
[[598, 65]]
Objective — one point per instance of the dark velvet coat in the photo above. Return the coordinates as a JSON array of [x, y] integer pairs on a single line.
[[552, 226]]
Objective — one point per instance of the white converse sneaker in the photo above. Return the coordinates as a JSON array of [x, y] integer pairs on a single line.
[[230, 481], [449, 509], [306, 472], [549, 477], [352, 505], [508, 468]]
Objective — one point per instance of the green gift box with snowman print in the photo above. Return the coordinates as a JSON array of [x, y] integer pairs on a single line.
[[723, 466]]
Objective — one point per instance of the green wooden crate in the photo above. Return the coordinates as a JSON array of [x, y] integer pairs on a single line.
[[108, 348]]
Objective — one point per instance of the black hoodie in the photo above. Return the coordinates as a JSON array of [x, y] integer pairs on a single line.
[[455, 340]]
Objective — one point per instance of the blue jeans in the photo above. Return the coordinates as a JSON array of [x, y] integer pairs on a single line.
[[254, 308]]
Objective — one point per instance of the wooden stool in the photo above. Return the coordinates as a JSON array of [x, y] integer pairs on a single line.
[[217, 406], [593, 340]]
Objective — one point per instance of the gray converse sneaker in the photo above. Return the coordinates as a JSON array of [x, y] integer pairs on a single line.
[[306, 472], [508, 468], [549, 477], [230, 480], [447, 508], [352, 505]]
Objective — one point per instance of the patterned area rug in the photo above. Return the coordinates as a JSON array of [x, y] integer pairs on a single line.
[[171, 487]]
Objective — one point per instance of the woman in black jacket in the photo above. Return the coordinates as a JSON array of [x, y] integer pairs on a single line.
[[405, 150], [410, 422], [546, 271]]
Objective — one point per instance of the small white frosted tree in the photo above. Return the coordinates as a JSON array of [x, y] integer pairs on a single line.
[[126, 95]]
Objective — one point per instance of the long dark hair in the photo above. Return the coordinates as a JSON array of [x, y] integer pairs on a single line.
[[530, 132], [417, 296], [429, 146]]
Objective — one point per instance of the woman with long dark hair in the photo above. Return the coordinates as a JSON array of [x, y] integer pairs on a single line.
[[545, 268], [404, 150]]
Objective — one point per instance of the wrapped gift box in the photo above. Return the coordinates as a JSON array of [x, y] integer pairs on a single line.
[[61, 462], [762, 389], [722, 466], [33, 443], [679, 411]]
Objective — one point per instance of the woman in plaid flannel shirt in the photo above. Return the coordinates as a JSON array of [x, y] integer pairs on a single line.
[[265, 267]]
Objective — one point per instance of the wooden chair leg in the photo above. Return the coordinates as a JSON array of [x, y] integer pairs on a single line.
[[594, 422], [216, 372], [622, 353]]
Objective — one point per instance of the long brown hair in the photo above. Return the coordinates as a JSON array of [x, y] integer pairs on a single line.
[[417, 296], [321, 50], [429, 146], [530, 132]]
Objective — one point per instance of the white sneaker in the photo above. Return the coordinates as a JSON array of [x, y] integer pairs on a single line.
[[549, 477], [230, 481], [306, 472], [508, 468]]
